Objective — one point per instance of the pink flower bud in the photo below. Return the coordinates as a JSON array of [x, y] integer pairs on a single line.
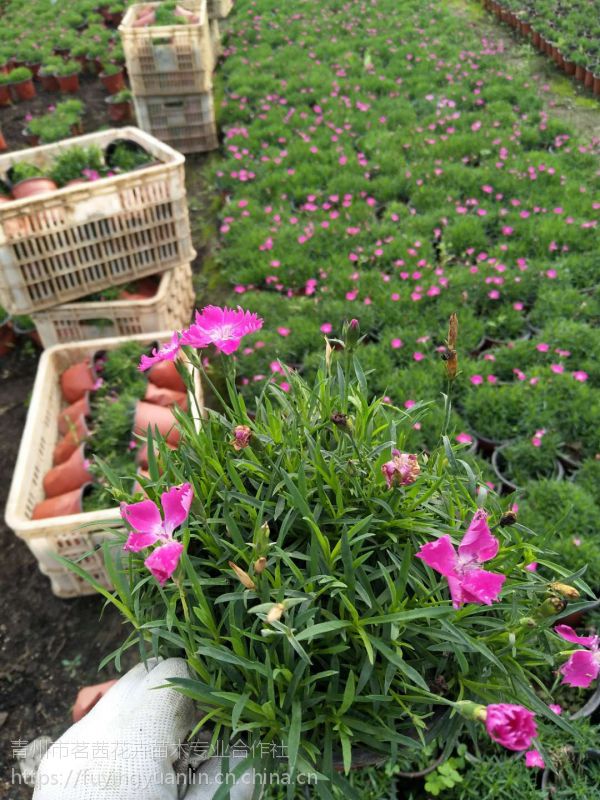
[[511, 725], [241, 437], [402, 470]]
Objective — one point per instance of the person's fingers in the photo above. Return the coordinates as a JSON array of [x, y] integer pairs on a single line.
[[209, 777], [138, 707], [120, 693]]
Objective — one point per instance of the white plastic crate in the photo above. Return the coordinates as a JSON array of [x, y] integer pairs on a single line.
[[167, 59], [169, 309], [219, 9], [72, 242], [76, 536], [186, 122], [215, 36]]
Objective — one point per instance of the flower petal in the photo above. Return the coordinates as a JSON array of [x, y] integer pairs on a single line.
[[137, 541], [568, 634], [163, 561], [168, 352], [144, 517], [478, 544], [481, 586], [456, 592], [439, 555], [176, 504], [195, 337], [581, 669], [223, 327], [534, 759], [512, 726]]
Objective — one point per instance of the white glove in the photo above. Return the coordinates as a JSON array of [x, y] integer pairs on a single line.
[[126, 746]]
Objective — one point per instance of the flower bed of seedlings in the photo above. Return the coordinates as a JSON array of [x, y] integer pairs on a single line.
[[569, 32], [389, 166]]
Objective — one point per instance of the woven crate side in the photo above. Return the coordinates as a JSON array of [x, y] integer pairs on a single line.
[[215, 36], [78, 535], [75, 241], [169, 309], [187, 122], [174, 59], [219, 9]]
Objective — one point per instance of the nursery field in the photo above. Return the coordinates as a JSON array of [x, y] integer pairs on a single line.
[[392, 161], [396, 167]]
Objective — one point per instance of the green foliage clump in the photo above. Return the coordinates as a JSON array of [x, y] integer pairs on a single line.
[[70, 164]]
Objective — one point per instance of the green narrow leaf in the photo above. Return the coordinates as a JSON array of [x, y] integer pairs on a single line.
[[349, 692], [294, 734]]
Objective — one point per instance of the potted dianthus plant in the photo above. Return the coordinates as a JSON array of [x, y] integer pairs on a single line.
[[337, 598]]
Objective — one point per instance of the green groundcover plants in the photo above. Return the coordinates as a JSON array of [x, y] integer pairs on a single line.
[[398, 164], [333, 593]]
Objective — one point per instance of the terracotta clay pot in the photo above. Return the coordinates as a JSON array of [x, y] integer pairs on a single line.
[[25, 90], [165, 397], [142, 458], [153, 416], [4, 95], [7, 339], [49, 83], [588, 80], [76, 381], [596, 86], [32, 139], [68, 84], [63, 505], [75, 436], [145, 288], [113, 83], [70, 475], [119, 112], [88, 697], [165, 375], [569, 67], [535, 38], [32, 186], [72, 413], [579, 72], [35, 69]]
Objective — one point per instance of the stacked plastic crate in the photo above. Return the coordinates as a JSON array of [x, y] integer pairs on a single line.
[[170, 70], [60, 247]]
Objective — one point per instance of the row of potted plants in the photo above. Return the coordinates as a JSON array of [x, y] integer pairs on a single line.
[[72, 42], [75, 165], [569, 35], [56, 75], [62, 120], [109, 404]]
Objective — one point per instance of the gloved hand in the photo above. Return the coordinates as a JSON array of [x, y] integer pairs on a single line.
[[126, 747]]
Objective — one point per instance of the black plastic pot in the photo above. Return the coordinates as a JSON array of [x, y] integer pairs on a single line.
[[497, 464]]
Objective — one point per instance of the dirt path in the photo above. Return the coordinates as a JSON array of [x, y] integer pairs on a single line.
[[563, 97]]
